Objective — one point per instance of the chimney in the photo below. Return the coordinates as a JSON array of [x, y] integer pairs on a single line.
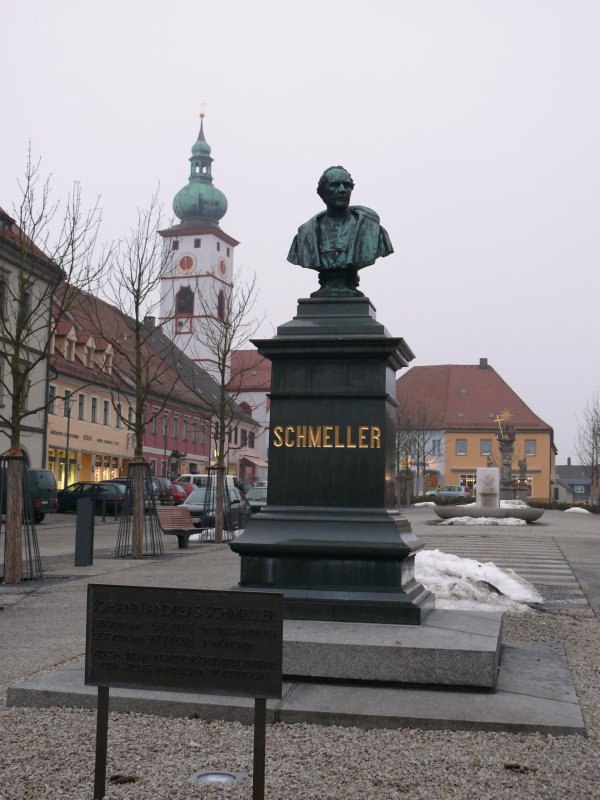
[[569, 461], [483, 363], [149, 323]]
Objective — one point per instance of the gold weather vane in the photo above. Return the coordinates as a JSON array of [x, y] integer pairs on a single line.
[[202, 111]]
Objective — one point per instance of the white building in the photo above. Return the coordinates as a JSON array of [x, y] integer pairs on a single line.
[[27, 278]]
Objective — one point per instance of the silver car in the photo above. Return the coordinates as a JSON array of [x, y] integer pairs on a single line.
[[459, 493], [203, 512]]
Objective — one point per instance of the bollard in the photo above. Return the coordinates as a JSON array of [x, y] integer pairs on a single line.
[[84, 532]]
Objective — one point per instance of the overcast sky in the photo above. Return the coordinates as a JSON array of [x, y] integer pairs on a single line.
[[472, 128]]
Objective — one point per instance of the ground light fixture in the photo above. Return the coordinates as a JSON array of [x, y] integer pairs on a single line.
[[206, 777]]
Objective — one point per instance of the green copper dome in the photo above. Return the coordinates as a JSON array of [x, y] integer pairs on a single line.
[[200, 199]]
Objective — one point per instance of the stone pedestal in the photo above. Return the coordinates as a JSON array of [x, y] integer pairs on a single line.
[[330, 538]]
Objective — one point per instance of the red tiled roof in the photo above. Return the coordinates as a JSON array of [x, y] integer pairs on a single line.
[[10, 231], [64, 327], [464, 396], [249, 371]]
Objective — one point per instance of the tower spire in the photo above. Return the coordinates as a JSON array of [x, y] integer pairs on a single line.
[[200, 199]]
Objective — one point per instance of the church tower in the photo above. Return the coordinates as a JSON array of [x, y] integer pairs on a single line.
[[197, 273]]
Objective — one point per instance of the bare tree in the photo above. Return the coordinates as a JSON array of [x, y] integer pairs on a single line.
[[587, 444], [44, 247], [416, 446], [141, 354], [231, 325]]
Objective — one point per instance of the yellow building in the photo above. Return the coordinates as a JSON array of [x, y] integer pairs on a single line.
[[86, 440], [462, 405]]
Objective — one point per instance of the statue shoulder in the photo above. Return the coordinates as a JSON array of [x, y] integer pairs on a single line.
[[363, 211], [311, 224]]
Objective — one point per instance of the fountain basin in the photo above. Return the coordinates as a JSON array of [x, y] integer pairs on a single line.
[[518, 512]]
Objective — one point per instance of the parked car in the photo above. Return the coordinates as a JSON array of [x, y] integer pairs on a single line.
[[122, 481], [195, 480], [257, 498], [110, 497], [163, 490], [179, 494], [234, 508], [459, 493], [41, 486]]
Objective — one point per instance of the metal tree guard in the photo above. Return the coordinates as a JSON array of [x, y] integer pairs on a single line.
[[152, 542], [210, 508], [30, 552]]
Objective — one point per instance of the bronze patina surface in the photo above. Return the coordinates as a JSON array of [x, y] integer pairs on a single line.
[[341, 240]]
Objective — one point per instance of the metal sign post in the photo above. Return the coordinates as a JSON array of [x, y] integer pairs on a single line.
[[184, 640]]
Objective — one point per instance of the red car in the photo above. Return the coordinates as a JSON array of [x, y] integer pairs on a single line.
[[179, 493]]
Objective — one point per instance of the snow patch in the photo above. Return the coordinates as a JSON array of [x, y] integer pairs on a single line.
[[464, 583], [576, 510], [483, 521], [423, 504]]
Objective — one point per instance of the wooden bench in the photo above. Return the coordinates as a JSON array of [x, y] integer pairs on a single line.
[[178, 521]]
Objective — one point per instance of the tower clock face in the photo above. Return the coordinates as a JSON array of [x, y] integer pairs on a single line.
[[186, 263], [222, 266]]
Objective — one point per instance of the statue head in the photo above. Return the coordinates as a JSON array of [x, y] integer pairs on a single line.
[[335, 187]]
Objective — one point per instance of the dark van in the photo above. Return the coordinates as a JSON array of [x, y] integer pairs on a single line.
[[42, 490], [41, 486]]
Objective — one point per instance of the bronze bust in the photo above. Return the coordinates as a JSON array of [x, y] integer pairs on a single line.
[[341, 240]]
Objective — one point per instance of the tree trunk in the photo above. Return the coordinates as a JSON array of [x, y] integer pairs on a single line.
[[138, 510], [219, 503], [13, 566]]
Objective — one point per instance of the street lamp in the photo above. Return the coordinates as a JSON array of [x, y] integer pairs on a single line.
[[68, 406]]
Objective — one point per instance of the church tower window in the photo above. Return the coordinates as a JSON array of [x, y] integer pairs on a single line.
[[184, 302]]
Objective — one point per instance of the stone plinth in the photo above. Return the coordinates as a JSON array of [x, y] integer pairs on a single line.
[[451, 648], [330, 538]]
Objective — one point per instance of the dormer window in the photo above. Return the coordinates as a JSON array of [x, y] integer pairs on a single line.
[[174, 245], [88, 356], [69, 350], [107, 363]]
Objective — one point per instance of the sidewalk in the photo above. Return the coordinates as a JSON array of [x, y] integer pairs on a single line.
[[42, 627]]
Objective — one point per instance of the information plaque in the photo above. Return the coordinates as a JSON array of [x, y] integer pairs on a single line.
[[184, 640]]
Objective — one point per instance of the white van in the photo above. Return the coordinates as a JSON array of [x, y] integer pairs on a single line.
[[201, 480]]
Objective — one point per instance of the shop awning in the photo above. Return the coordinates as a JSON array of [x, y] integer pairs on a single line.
[[254, 461]]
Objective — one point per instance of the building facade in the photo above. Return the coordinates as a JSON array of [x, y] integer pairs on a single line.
[[87, 435], [466, 404], [27, 280]]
